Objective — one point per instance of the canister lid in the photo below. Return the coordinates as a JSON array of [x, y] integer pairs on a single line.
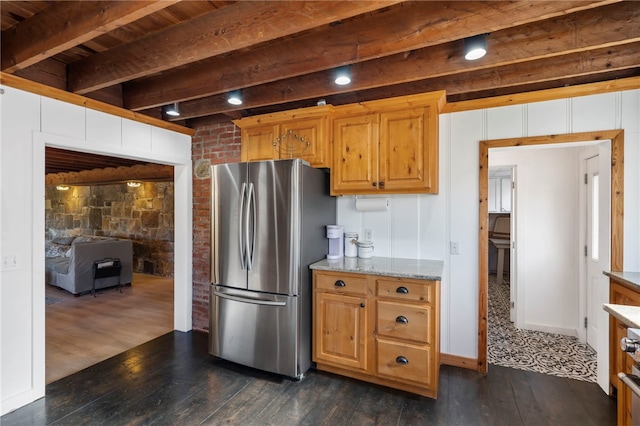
[[351, 234], [365, 244]]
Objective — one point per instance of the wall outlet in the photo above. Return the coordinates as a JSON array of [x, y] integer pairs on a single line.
[[455, 249], [368, 235]]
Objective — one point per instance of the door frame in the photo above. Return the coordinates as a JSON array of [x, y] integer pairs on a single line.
[[617, 211]]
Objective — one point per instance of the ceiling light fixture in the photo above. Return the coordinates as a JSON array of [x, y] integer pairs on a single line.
[[62, 187], [173, 110], [235, 97], [475, 47], [343, 76], [132, 184]]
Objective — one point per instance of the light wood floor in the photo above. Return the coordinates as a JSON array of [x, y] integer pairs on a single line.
[[82, 331]]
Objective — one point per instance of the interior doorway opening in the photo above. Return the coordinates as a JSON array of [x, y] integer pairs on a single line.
[[616, 226]]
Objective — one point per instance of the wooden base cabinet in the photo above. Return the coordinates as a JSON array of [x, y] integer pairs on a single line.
[[619, 361], [383, 330]]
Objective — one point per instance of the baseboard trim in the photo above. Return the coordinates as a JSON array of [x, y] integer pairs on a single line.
[[459, 361]]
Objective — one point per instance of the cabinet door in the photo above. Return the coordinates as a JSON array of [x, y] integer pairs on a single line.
[[306, 139], [339, 330], [355, 166], [408, 158], [257, 143]]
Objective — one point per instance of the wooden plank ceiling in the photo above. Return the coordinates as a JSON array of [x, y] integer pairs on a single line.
[[144, 55]]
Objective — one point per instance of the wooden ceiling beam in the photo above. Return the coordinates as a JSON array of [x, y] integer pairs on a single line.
[[410, 26], [147, 172], [620, 25], [68, 24], [229, 28]]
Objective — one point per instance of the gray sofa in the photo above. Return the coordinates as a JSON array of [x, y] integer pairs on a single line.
[[70, 266]]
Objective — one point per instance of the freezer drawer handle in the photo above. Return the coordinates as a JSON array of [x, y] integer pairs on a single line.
[[402, 290], [402, 319], [340, 283], [402, 360], [245, 300]]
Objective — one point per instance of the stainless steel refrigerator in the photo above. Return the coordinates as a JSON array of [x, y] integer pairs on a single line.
[[268, 225]]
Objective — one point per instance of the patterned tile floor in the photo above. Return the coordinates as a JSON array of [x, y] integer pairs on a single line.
[[547, 353]]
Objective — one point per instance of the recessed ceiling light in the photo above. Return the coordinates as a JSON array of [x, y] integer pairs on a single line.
[[475, 47], [343, 76], [235, 97]]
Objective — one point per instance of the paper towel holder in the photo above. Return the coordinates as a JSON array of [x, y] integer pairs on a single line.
[[371, 204]]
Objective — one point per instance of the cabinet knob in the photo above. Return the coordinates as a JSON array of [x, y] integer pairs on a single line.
[[362, 305], [402, 360], [340, 283], [402, 290], [402, 320], [374, 183], [381, 184]]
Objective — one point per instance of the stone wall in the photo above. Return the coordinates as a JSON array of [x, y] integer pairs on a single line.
[[213, 144], [143, 215]]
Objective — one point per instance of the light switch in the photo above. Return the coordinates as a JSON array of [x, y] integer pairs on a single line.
[[9, 261]]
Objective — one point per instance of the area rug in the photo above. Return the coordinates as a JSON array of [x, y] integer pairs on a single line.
[[52, 300], [548, 353]]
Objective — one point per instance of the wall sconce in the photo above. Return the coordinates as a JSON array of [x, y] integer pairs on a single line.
[[343, 76], [475, 47], [132, 184], [62, 187], [172, 110], [235, 97]]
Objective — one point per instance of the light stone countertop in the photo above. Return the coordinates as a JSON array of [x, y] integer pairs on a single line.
[[629, 278], [629, 315], [421, 269]]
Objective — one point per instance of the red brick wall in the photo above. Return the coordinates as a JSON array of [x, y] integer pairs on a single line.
[[211, 144]]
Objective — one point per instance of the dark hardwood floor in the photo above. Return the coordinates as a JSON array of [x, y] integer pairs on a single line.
[[172, 380]]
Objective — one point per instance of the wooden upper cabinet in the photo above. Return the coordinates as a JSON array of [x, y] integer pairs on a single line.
[[306, 139], [257, 143], [299, 133], [388, 146], [356, 153]]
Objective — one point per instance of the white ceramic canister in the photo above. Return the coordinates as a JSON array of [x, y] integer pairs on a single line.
[[365, 249], [351, 244]]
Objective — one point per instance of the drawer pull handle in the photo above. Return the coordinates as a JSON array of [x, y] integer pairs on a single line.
[[402, 360], [402, 319], [340, 283], [402, 290]]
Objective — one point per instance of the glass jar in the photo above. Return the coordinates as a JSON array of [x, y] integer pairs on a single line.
[[351, 244], [365, 249]]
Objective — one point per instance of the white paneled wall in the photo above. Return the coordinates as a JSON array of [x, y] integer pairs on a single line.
[[29, 122], [423, 225]]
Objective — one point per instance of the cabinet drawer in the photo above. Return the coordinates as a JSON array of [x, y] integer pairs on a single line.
[[401, 321], [400, 289], [341, 283], [408, 363]]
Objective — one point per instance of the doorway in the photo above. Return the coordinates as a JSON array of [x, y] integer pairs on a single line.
[[544, 337], [616, 207]]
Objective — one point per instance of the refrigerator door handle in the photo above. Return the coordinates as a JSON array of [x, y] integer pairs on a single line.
[[252, 301], [251, 217], [242, 227]]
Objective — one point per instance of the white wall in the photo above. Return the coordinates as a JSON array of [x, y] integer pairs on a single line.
[[426, 223], [29, 122]]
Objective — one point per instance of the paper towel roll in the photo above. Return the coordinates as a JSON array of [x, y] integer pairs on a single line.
[[372, 204]]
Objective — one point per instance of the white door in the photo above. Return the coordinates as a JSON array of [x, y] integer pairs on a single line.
[[508, 196], [593, 271]]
